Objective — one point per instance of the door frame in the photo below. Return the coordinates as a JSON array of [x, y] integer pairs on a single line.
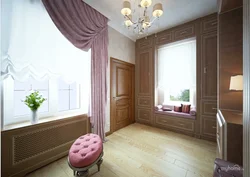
[[112, 120], [246, 89]]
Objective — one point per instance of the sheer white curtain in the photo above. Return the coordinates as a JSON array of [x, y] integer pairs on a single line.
[[32, 46], [177, 68]]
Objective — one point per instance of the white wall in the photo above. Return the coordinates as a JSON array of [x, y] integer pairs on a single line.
[[122, 48]]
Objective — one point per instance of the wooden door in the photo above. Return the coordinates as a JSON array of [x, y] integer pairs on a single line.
[[209, 66], [121, 93]]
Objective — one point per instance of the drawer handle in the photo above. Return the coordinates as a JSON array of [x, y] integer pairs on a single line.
[[145, 114], [145, 102], [183, 32], [214, 127], [181, 124], [164, 121], [214, 108]]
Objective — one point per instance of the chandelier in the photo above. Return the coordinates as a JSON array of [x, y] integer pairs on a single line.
[[144, 21]]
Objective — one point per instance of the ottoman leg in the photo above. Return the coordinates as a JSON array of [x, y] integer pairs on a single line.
[[99, 164], [82, 173]]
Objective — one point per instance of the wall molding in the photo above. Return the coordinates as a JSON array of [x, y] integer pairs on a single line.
[[246, 93]]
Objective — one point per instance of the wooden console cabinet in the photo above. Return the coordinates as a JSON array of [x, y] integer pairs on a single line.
[[230, 136]]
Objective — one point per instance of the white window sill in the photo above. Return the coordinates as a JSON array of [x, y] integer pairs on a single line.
[[41, 120]]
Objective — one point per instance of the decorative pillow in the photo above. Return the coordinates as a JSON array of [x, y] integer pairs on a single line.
[[177, 108], [165, 108], [185, 108]]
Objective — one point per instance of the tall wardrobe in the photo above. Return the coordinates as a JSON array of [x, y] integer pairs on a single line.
[[204, 124]]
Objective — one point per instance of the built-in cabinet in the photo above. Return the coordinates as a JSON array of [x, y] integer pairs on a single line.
[[144, 79], [205, 32], [208, 77]]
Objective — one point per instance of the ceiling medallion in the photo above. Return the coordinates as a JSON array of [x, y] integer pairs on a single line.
[[144, 21]]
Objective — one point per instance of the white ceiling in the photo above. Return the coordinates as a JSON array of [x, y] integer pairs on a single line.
[[176, 12]]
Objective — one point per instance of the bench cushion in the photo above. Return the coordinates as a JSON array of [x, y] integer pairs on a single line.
[[85, 150]]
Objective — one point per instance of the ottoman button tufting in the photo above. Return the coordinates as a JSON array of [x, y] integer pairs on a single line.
[[81, 158]]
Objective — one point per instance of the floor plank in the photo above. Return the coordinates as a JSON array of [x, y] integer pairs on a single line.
[[142, 151]]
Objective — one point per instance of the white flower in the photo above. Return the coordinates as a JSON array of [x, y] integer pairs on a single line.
[[31, 105]]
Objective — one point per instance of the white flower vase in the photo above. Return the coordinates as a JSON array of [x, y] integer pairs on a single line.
[[34, 118]]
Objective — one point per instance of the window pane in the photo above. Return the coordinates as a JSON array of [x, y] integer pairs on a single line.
[[62, 84], [45, 106], [22, 89], [40, 85], [180, 95], [74, 96], [20, 108], [63, 100], [69, 96], [22, 86]]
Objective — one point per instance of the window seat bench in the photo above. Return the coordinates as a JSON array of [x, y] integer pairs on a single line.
[[176, 114]]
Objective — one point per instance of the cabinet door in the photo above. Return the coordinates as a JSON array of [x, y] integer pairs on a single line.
[[209, 66], [144, 72], [209, 126]]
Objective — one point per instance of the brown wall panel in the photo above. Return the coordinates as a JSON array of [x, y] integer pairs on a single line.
[[230, 58]]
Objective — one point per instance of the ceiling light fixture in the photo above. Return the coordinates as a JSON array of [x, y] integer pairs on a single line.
[[143, 22]]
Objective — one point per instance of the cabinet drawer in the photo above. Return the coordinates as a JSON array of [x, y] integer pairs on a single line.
[[209, 108], [145, 43], [173, 122], [209, 126], [184, 32], [144, 102], [144, 114], [209, 24], [164, 38]]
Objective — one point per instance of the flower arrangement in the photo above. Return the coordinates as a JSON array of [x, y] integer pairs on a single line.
[[34, 100]]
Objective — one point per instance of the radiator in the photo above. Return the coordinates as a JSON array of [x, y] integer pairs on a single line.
[[29, 148]]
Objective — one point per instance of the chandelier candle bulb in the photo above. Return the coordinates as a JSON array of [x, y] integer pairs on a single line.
[[126, 10], [157, 10], [146, 22], [146, 3]]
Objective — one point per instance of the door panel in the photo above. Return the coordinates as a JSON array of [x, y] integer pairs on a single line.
[[145, 73], [122, 94], [123, 85], [209, 66]]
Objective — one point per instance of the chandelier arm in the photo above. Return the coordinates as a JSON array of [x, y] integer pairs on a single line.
[[154, 20], [145, 10], [126, 16]]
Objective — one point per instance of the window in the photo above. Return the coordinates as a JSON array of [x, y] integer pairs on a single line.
[[62, 97], [31, 60], [22, 89], [68, 96], [177, 73]]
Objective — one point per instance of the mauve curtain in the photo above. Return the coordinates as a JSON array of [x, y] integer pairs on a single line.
[[86, 28]]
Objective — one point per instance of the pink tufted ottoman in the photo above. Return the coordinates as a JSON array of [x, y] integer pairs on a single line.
[[85, 152]]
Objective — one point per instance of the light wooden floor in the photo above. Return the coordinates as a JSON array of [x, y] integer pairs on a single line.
[[141, 151]]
